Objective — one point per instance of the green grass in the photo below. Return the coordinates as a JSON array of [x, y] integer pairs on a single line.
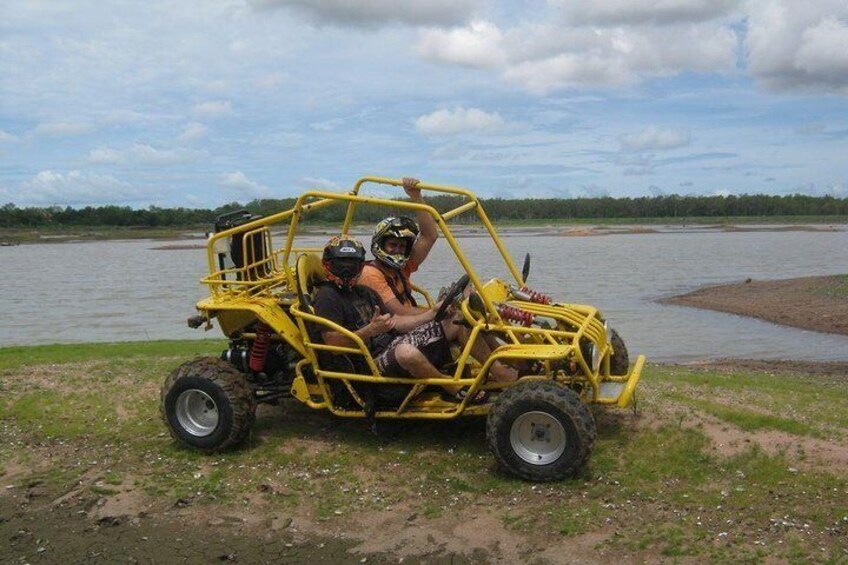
[[49, 414], [14, 357], [104, 491], [812, 406], [751, 421], [77, 413], [841, 286]]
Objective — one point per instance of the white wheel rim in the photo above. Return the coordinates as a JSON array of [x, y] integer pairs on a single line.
[[537, 438], [196, 412]]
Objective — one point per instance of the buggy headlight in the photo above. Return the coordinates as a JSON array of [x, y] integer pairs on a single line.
[[596, 351]]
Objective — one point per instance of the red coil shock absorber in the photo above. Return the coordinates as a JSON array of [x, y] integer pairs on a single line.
[[534, 296], [259, 349], [513, 314]]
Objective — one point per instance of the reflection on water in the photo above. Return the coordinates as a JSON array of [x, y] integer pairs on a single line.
[[127, 290]]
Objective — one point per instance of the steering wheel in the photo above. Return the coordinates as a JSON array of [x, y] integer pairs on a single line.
[[454, 292]]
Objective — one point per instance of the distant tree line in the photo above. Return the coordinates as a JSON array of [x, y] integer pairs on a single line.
[[671, 206]]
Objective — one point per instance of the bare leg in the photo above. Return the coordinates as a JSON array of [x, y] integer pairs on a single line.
[[416, 364], [480, 350]]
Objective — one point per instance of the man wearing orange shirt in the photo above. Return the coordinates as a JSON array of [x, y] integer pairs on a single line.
[[399, 246]]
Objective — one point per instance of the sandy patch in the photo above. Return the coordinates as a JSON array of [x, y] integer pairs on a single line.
[[804, 453], [813, 303]]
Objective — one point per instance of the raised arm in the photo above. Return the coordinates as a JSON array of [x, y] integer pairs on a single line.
[[429, 232]]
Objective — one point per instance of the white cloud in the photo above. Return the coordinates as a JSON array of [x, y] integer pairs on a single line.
[[319, 183], [787, 45], [551, 56], [62, 129], [653, 138], [799, 45], [142, 154], [457, 121], [75, 188], [193, 132], [213, 108], [824, 49], [478, 45], [661, 12], [569, 70], [105, 156], [238, 181], [372, 13], [7, 137]]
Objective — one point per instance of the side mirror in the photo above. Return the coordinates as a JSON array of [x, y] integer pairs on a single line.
[[526, 269]]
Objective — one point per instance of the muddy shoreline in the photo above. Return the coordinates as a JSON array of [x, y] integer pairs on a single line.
[[812, 303]]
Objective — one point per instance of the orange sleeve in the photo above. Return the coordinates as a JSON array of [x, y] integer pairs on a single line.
[[374, 279]]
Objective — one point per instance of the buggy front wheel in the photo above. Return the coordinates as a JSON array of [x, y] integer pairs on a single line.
[[540, 431]]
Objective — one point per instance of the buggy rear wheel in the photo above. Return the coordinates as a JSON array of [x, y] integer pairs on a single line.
[[208, 405], [540, 431]]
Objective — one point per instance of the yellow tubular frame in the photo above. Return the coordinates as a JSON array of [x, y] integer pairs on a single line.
[[266, 296]]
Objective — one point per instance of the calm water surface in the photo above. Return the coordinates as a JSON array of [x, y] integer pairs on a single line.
[[129, 290]]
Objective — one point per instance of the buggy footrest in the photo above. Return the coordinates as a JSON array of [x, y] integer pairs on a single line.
[[609, 392], [620, 390]]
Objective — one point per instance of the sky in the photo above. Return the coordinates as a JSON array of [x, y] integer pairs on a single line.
[[199, 103]]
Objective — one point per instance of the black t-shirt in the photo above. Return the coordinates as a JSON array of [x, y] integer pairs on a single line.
[[350, 308]]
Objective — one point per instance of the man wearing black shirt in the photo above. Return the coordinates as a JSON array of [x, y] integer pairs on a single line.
[[402, 346]]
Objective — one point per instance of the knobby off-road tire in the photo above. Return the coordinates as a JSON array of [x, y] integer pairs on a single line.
[[620, 360], [208, 405], [540, 431]]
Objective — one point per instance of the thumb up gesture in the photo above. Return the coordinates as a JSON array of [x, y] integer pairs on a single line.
[[380, 323]]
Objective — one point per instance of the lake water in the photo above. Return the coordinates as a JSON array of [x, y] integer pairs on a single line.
[[129, 290]]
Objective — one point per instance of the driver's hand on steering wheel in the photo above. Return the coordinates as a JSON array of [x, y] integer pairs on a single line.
[[450, 310]]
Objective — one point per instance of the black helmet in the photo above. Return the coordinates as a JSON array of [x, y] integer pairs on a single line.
[[343, 260], [400, 227]]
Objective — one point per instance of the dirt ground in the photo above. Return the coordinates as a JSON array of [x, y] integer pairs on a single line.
[[38, 525], [80, 525], [128, 525], [812, 303], [96, 522]]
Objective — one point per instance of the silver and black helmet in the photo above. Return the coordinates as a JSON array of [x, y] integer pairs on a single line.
[[400, 227]]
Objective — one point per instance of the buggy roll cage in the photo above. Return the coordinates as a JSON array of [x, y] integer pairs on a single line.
[[266, 269]]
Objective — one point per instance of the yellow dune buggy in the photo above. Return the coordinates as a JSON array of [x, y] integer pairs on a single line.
[[539, 427]]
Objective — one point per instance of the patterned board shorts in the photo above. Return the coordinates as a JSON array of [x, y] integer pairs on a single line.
[[428, 338]]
